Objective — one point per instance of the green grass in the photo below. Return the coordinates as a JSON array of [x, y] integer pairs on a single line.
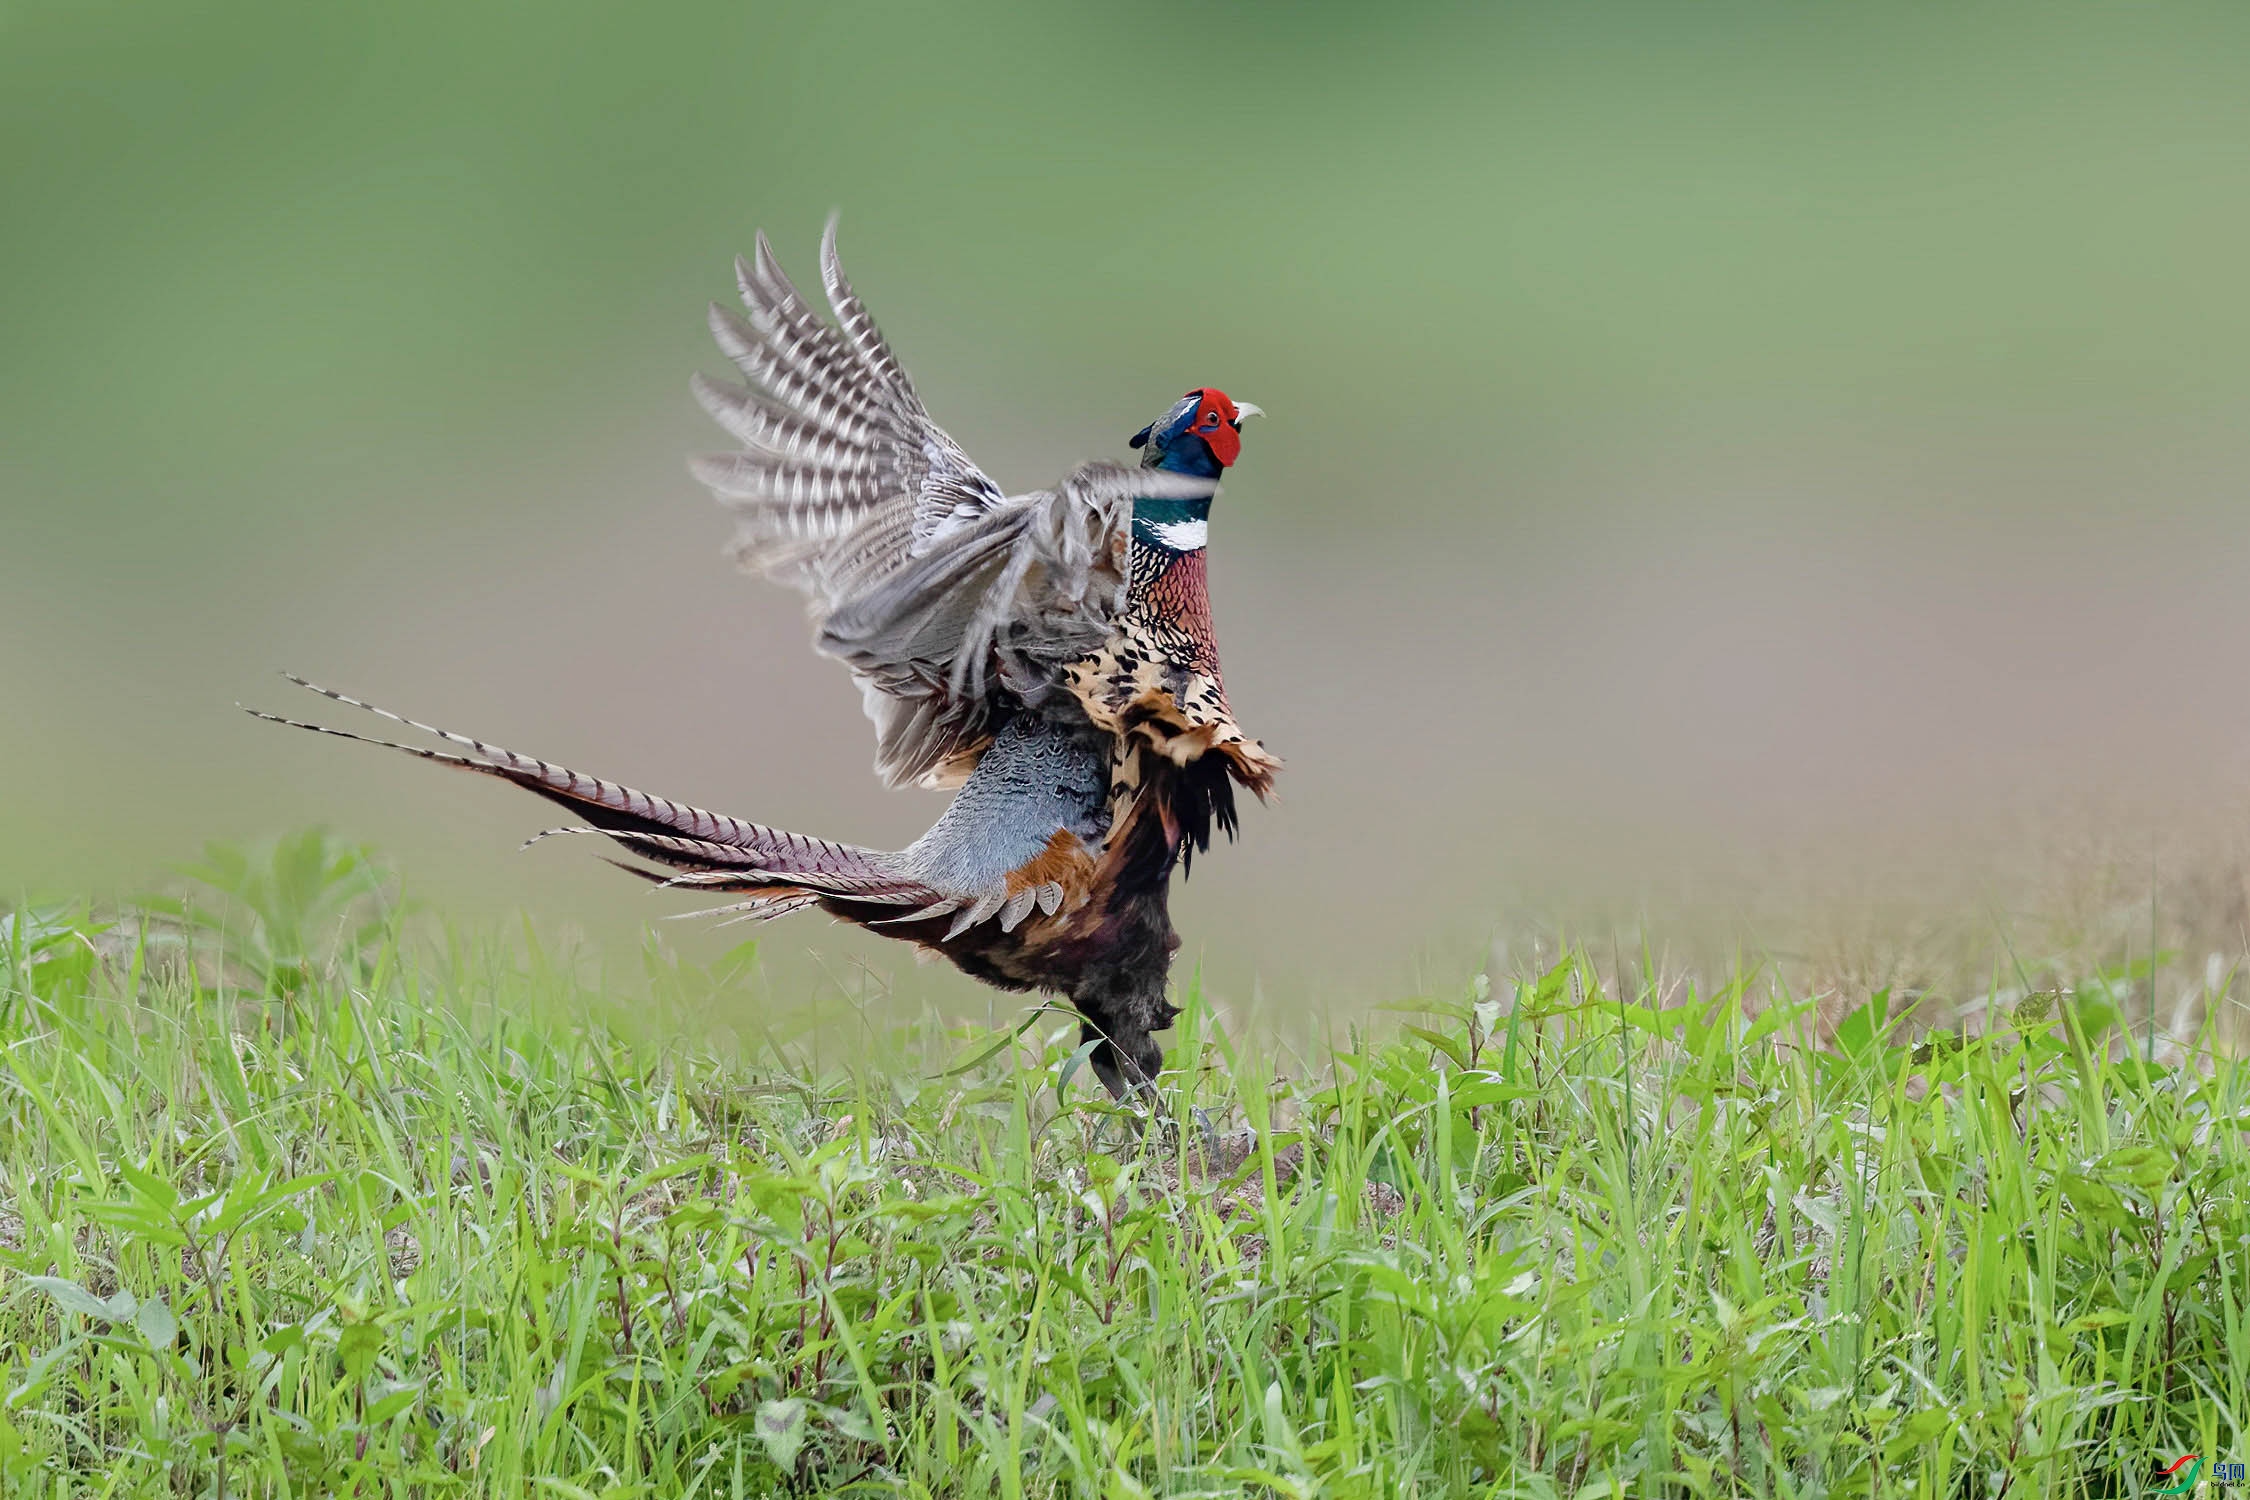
[[358, 1211]]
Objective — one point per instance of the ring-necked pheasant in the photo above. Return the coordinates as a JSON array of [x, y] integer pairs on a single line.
[[1050, 654]]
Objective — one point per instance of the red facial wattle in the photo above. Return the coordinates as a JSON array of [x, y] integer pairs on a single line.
[[1215, 419]]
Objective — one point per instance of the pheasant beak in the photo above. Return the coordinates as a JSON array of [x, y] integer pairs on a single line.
[[1244, 409]]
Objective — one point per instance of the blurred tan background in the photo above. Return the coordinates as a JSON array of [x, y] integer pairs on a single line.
[[1723, 459]]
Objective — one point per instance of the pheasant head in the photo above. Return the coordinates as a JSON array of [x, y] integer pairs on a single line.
[[1201, 434]]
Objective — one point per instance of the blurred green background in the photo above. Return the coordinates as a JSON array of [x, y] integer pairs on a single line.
[[1698, 433]]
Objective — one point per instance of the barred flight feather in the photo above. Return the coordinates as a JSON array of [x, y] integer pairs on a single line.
[[813, 349], [823, 493], [765, 367], [859, 327], [766, 426]]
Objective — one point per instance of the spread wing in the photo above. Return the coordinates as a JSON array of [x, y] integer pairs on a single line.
[[939, 592], [836, 444]]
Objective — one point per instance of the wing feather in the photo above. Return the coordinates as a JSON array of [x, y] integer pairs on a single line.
[[934, 588], [874, 352]]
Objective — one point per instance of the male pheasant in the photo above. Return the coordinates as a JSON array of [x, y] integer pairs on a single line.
[[1050, 654]]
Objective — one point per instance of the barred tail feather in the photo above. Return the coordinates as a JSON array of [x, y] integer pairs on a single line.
[[722, 852], [972, 879]]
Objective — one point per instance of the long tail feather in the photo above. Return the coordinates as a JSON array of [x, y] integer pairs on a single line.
[[720, 849], [774, 870]]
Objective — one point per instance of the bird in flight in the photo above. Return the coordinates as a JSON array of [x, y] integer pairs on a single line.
[[1050, 654]]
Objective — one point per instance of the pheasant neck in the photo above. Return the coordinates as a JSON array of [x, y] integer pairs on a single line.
[[1173, 525]]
